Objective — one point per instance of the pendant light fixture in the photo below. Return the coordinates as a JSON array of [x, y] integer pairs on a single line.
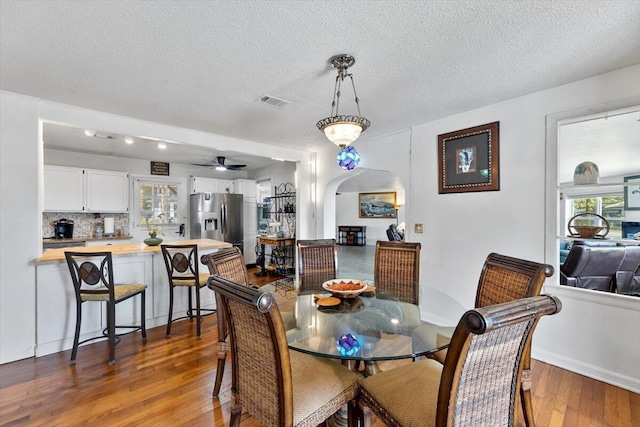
[[342, 130]]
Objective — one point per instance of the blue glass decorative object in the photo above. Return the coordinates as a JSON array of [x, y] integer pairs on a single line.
[[348, 158], [347, 345]]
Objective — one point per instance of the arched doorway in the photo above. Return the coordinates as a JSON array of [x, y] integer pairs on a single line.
[[343, 207]]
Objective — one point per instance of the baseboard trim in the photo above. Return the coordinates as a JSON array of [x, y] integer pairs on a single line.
[[591, 371]]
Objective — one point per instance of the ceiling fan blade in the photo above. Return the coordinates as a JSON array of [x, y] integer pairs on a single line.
[[235, 166], [208, 165]]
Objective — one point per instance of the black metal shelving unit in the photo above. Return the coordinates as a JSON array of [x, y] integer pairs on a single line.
[[282, 209]]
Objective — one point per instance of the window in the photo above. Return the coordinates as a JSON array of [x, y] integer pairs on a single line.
[[159, 200], [609, 206]]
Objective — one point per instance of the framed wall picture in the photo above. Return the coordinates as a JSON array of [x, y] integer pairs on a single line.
[[632, 193], [377, 205], [468, 160]]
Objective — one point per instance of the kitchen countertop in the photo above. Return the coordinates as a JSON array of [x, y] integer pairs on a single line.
[[126, 249]]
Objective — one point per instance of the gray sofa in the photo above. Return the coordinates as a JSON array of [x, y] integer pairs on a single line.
[[603, 268]]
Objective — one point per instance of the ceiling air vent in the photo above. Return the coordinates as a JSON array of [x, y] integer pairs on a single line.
[[273, 101]]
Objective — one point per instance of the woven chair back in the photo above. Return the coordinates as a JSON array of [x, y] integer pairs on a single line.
[[228, 263], [261, 373], [397, 269], [91, 274], [504, 278], [480, 381], [181, 262], [317, 263]]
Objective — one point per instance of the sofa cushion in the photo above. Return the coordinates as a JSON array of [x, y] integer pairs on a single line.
[[627, 278], [592, 267]]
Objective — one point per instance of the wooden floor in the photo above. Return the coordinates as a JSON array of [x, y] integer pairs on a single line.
[[168, 382]]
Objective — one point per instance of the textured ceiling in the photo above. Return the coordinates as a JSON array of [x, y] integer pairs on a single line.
[[204, 64]]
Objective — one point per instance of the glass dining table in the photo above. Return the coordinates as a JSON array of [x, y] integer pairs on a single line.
[[371, 327]]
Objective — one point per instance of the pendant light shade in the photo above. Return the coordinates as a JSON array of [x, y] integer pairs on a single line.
[[342, 130]]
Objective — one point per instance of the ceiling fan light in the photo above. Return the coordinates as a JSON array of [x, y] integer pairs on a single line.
[[221, 168], [162, 145]]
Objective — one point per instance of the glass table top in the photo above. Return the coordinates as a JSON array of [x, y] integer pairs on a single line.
[[372, 326]]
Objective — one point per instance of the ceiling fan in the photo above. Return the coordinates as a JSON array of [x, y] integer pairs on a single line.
[[219, 164]]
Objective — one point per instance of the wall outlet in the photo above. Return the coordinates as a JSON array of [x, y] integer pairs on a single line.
[[417, 228]]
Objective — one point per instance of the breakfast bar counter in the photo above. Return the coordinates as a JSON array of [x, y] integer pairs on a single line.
[[127, 249], [132, 263]]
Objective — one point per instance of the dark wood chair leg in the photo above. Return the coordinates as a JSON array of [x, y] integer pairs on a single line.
[[354, 414], [143, 322], [170, 311], [525, 389], [76, 338], [198, 315], [111, 326], [190, 312], [222, 359], [236, 413]]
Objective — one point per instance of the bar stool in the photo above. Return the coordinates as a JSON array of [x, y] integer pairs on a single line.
[[92, 276], [182, 269]]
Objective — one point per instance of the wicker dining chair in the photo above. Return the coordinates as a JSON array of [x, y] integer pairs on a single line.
[[504, 278], [276, 386], [181, 262], [92, 277], [397, 270], [227, 263], [479, 382], [317, 263]]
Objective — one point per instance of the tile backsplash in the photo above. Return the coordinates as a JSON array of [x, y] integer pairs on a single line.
[[84, 224]]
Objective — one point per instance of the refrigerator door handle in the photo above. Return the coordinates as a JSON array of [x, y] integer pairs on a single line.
[[224, 218]]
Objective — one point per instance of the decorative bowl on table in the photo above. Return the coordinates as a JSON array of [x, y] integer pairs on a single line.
[[345, 288]]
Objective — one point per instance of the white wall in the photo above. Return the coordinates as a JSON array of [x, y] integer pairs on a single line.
[[460, 230], [21, 198], [20, 224]]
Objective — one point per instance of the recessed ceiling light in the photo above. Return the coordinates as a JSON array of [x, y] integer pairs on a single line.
[[162, 145], [128, 140], [90, 132]]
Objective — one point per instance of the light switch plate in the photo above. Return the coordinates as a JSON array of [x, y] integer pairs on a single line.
[[417, 228]]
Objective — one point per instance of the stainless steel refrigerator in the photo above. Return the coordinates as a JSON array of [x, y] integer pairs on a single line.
[[216, 216]]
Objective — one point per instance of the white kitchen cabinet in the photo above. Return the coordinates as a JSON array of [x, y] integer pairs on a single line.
[[250, 229], [224, 186], [247, 187], [63, 189], [210, 185], [106, 191], [68, 189], [202, 185]]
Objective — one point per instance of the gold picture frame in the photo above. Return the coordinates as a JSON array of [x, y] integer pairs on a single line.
[[377, 205], [468, 160]]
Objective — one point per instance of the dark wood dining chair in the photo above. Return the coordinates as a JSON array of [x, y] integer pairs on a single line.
[[92, 277], [276, 386], [317, 263], [397, 270], [227, 263], [479, 382], [181, 262], [504, 278]]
